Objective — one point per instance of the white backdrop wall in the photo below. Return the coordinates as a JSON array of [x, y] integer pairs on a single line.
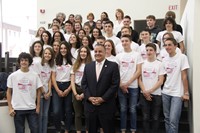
[[137, 9], [1, 21], [190, 24]]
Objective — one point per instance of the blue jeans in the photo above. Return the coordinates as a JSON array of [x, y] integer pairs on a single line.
[[62, 107], [32, 119], [172, 107], [151, 111], [124, 98], [43, 116]]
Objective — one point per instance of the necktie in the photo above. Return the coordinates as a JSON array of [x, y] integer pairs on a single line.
[[98, 67]]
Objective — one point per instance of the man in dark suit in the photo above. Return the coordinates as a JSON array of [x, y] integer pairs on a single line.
[[100, 83]]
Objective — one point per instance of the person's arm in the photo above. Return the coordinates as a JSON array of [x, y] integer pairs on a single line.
[[47, 95], [73, 86], [38, 95], [111, 92], [135, 75], [158, 83], [141, 83], [123, 87], [84, 85], [145, 92], [185, 96], [53, 78], [9, 98], [66, 92], [182, 47]]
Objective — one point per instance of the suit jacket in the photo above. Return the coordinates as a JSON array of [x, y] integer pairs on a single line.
[[106, 87]]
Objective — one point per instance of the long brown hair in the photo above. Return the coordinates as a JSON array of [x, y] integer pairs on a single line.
[[78, 61], [51, 61], [113, 51]]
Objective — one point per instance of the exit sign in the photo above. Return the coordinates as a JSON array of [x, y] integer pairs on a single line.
[[173, 7]]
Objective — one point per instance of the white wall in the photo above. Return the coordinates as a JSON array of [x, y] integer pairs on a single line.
[[137, 9], [196, 71], [7, 122], [1, 34], [190, 24]]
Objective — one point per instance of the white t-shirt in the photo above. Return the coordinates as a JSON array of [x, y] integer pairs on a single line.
[[33, 66], [143, 51], [177, 36], [173, 66], [150, 73], [79, 74], [73, 52], [115, 40], [127, 66], [63, 72], [112, 58], [134, 47], [117, 26], [67, 36], [24, 86], [45, 74]]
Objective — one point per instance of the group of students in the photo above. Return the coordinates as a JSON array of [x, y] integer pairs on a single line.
[[57, 63]]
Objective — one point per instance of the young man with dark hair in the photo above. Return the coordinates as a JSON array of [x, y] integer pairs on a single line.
[[134, 34], [150, 82], [151, 26], [23, 92], [172, 14], [68, 30], [109, 33], [129, 63], [175, 89]]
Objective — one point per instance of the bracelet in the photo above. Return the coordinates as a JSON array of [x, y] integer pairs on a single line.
[[76, 94]]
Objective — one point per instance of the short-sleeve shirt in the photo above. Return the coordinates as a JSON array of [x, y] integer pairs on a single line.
[[173, 66], [127, 65], [24, 86]]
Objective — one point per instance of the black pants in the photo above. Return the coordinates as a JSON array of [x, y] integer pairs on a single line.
[[151, 113], [106, 121]]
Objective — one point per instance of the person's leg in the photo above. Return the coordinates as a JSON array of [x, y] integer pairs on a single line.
[[123, 109], [32, 118], [107, 122], [57, 109], [45, 114], [175, 113], [145, 106], [155, 111], [91, 120], [78, 109], [166, 110], [68, 109], [40, 123], [133, 99], [19, 121]]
